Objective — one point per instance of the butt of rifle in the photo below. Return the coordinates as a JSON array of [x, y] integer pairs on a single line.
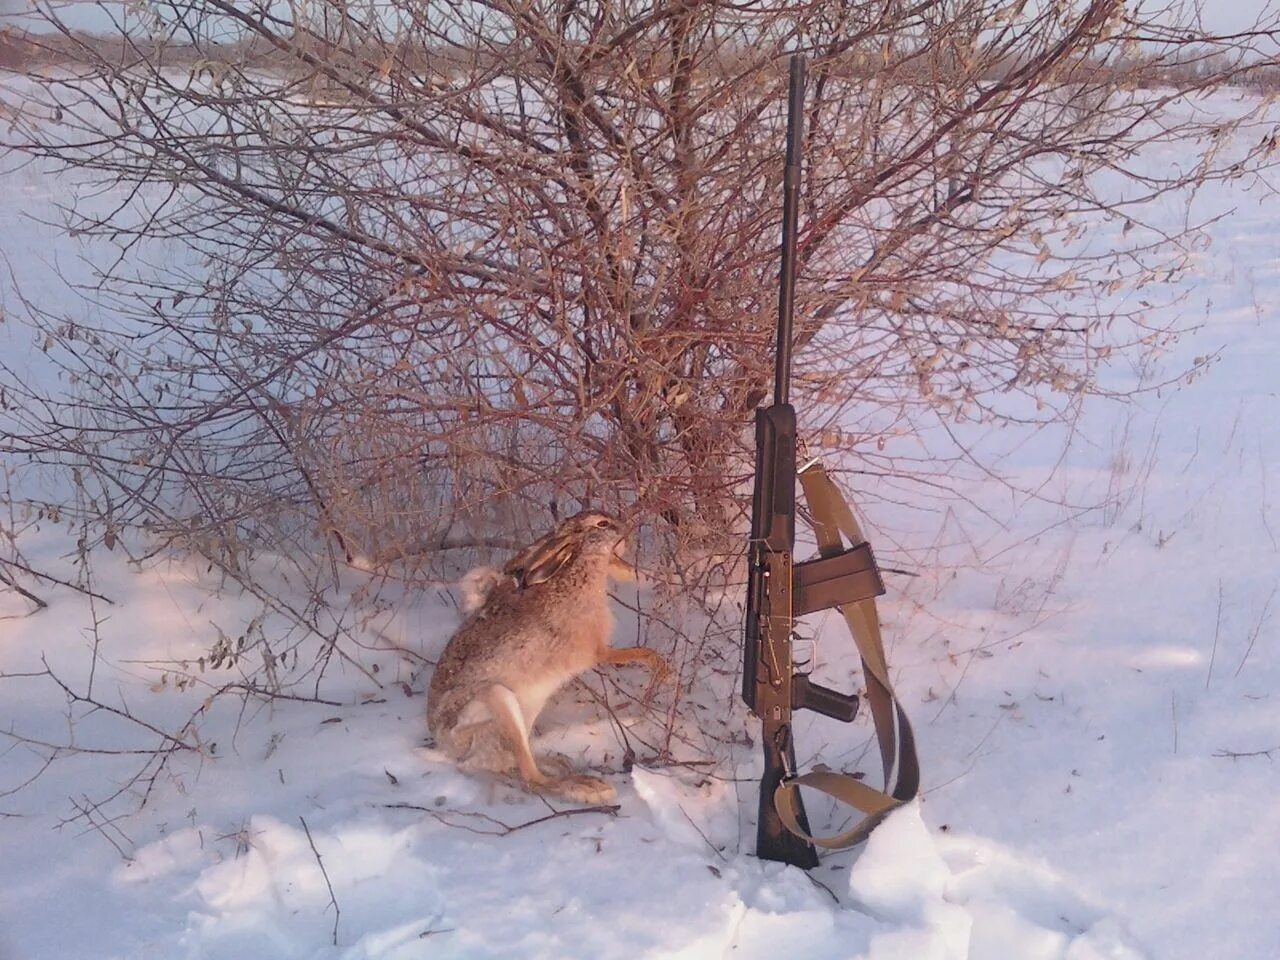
[[773, 840]]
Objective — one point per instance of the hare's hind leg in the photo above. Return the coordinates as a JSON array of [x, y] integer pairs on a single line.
[[482, 747], [506, 714], [505, 709]]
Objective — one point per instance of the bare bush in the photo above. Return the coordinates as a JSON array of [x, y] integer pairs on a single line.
[[443, 269]]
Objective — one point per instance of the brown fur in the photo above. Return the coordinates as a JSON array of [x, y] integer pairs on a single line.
[[525, 642]]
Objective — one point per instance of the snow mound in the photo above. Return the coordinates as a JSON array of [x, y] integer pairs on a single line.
[[966, 898], [271, 898], [670, 802]]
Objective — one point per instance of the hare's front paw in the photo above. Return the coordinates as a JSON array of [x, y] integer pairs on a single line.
[[660, 675], [582, 789], [662, 671]]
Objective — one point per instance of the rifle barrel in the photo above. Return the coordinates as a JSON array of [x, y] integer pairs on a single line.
[[790, 224]]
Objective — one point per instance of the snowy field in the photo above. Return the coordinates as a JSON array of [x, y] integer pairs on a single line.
[[1095, 703]]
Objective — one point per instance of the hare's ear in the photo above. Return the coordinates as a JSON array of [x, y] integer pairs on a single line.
[[517, 565], [541, 559], [546, 564]]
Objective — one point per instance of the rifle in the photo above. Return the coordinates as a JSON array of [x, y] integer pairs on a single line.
[[780, 590]]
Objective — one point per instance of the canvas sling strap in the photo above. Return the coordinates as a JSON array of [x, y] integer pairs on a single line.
[[833, 518]]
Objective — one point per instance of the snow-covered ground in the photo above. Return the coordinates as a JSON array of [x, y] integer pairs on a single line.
[[1095, 705]]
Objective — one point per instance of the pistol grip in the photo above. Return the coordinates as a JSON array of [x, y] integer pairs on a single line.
[[807, 695]]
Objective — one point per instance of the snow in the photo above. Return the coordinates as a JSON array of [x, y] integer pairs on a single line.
[[1094, 701], [967, 898]]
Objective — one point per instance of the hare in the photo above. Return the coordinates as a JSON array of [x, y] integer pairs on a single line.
[[531, 629]]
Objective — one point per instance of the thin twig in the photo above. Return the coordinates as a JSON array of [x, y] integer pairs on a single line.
[[1263, 507], [99, 824], [96, 630], [256, 691], [337, 911], [951, 697], [705, 839], [818, 883], [175, 742], [978, 746], [1217, 626], [963, 773], [25, 593], [1235, 755], [51, 579], [1253, 637], [504, 829]]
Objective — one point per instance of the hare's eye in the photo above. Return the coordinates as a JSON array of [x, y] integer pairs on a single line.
[[602, 522]]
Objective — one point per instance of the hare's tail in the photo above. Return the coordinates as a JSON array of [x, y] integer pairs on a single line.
[[477, 584]]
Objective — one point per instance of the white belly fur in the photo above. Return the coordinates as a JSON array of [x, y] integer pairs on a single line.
[[531, 698], [534, 697]]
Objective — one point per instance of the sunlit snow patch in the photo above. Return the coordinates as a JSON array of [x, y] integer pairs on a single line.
[[965, 898], [1165, 656], [670, 802]]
